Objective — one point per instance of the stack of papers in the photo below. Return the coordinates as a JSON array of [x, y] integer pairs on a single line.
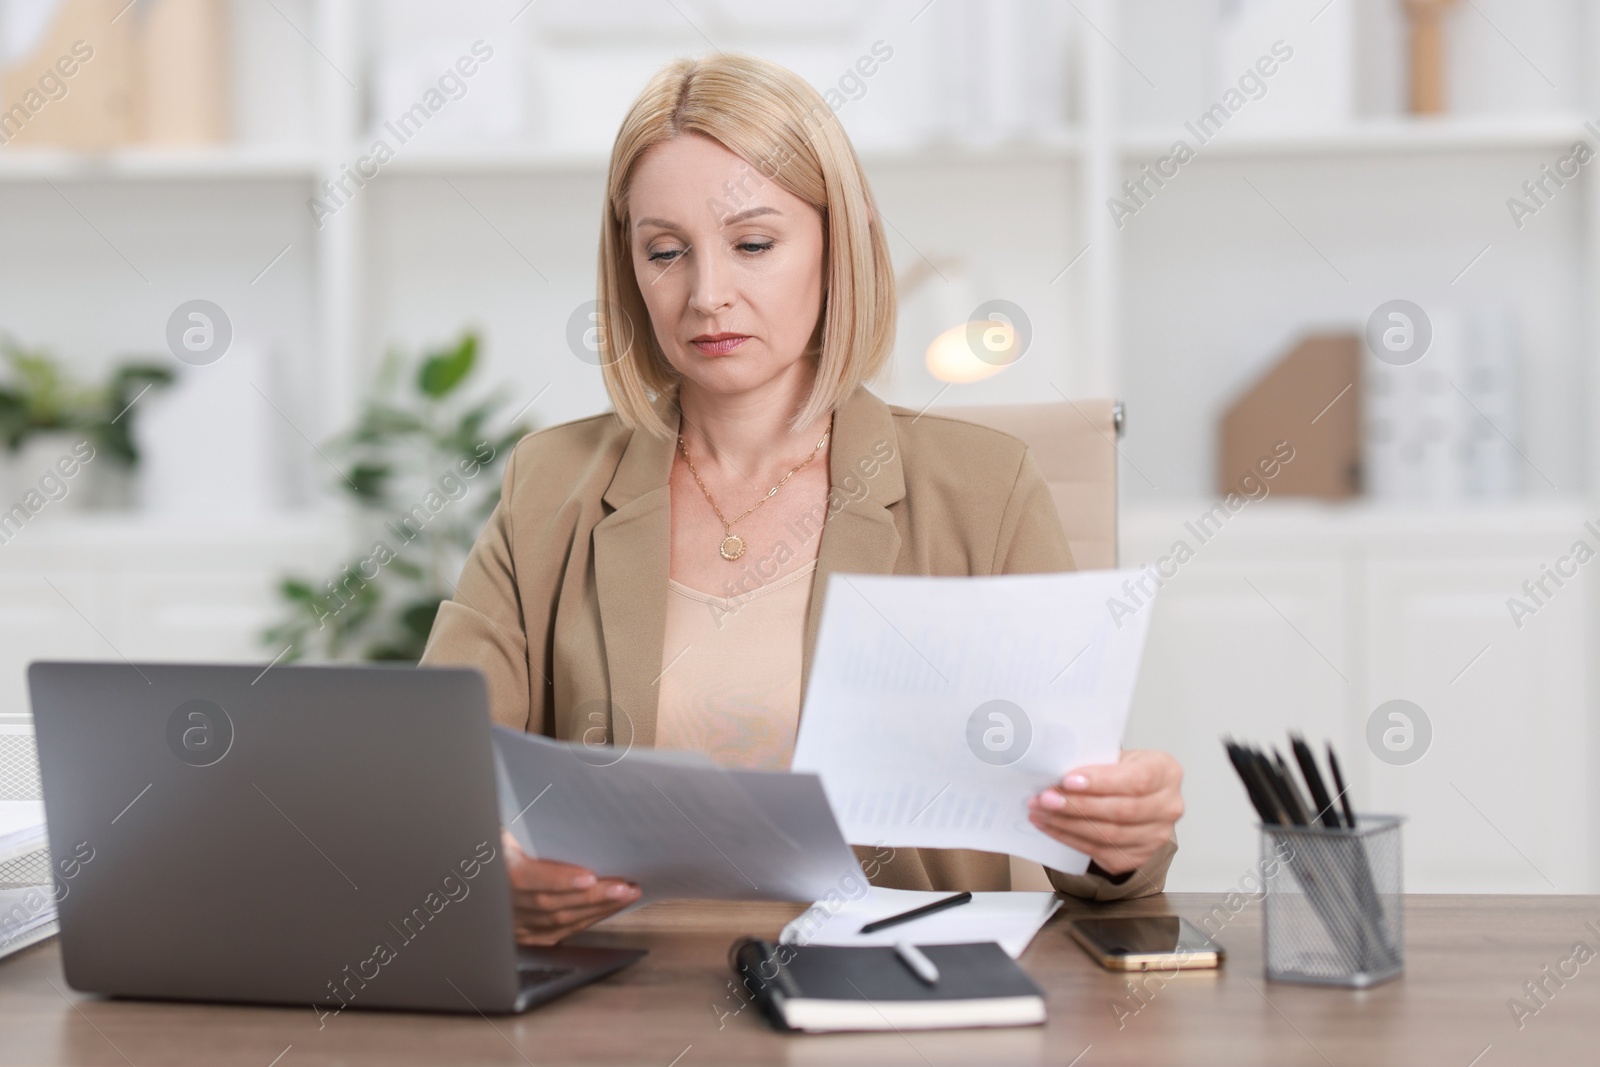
[[1008, 918], [27, 912], [21, 828], [27, 916]]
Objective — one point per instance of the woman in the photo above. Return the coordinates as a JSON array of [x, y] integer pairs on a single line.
[[654, 576]]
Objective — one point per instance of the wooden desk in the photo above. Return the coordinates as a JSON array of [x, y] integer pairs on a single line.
[[1465, 957]]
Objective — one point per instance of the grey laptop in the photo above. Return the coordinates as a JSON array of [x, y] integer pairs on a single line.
[[322, 836]]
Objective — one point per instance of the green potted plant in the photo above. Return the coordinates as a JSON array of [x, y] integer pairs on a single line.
[[424, 472], [48, 415]]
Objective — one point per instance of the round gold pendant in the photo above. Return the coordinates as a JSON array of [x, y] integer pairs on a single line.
[[732, 547]]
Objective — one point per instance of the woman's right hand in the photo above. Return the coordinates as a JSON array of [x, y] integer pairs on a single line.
[[553, 900]]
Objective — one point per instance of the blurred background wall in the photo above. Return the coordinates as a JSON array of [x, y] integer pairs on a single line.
[[282, 266]]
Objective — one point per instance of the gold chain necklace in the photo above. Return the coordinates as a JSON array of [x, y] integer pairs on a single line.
[[732, 546]]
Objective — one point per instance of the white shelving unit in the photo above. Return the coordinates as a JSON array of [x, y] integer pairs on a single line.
[[1312, 617], [207, 164], [1172, 312], [1399, 136], [323, 48]]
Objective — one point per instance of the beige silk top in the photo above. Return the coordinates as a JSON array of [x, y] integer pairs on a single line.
[[730, 672]]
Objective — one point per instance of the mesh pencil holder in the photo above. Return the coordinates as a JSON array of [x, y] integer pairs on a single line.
[[1332, 912]]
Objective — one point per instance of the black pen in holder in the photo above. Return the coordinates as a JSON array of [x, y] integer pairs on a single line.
[[1333, 912]]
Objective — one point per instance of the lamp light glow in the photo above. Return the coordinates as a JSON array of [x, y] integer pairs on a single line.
[[952, 357]]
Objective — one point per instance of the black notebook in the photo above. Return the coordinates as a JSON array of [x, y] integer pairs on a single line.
[[826, 987]]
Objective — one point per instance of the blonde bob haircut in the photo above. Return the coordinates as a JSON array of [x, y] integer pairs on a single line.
[[787, 133]]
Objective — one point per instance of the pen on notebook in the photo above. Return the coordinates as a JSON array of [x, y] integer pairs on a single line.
[[919, 964], [915, 913]]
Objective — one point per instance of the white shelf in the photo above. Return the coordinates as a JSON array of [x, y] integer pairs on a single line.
[[226, 162], [1397, 136], [1378, 136], [525, 160], [247, 162], [1052, 146]]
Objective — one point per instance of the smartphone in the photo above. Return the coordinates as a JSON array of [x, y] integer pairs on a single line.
[[1156, 942]]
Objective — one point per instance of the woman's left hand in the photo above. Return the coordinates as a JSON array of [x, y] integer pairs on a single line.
[[1118, 814]]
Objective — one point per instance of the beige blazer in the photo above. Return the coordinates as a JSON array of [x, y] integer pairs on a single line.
[[562, 603]]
